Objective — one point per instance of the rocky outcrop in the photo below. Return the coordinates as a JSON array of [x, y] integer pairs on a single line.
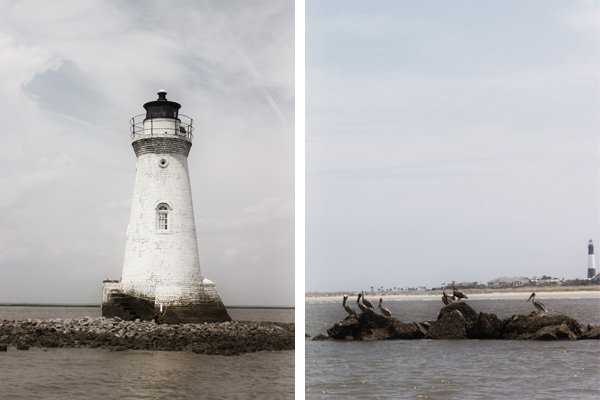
[[373, 326], [460, 321], [226, 338], [542, 327]]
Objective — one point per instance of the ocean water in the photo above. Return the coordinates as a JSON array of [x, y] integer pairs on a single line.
[[106, 374], [452, 369]]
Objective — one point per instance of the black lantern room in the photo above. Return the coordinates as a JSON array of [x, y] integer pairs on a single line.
[[162, 108]]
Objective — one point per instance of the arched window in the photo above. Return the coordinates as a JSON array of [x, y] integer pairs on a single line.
[[162, 217]]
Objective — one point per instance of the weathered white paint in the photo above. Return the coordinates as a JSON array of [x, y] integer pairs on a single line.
[[107, 288], [163, 265], [153, 257], [161, 126]]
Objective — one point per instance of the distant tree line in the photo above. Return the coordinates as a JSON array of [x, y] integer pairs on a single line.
[[578, 282]]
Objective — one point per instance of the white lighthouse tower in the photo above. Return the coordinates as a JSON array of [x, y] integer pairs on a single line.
[[161, 272], [591, 262]]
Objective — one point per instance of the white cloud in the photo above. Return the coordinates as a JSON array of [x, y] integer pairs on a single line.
[[71, 77], [21, 63]]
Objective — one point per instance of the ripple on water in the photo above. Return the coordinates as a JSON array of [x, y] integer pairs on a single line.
[[96, 373]]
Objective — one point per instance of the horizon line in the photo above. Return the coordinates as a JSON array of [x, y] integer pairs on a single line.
[[87, 305]]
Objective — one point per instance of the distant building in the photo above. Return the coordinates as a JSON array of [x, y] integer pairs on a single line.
[[547, 279], [514, 281]]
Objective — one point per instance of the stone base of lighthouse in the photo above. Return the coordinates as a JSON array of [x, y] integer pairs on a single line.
[[200, 304]]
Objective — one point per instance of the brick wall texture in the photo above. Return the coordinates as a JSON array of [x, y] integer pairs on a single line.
[[162, 145], [163, 265]]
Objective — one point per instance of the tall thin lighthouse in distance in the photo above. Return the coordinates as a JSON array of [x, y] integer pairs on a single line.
[[591, 261], [161, 272]]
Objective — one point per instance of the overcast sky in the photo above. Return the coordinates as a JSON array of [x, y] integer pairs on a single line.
[[73, 73], [450, 140]]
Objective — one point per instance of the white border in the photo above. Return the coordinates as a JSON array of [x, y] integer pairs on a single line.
[[299, 197]]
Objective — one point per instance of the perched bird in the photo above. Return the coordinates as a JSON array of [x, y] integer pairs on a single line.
[[384, 310], [366, 301], [537, 304], [349, 309], [458, 294], [445, 298], [360, 305]]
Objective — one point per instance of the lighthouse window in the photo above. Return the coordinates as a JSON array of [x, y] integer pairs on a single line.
[[162, 217], [159, 111]]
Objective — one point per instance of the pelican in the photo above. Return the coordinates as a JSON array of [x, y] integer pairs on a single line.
[[537, 304], [362, 307], [445, 298], [384, 310], [349, 309], [458, 294], [366, 301]]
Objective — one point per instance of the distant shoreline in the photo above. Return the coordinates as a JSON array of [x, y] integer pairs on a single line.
[[512, 293], [98, 306], [48, 305]]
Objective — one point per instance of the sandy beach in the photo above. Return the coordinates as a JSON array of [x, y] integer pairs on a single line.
[[472, 296]]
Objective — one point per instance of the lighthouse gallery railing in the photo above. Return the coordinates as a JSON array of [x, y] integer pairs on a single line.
[[183, 127]]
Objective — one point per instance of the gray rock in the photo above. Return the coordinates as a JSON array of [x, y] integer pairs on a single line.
[[401, 330], [487, 326], [451, 325], [592, 333], [466, 310], [366, 326], [524, 326], [555, 332]]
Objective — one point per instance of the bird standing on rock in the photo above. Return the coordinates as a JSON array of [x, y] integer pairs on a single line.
[[348, 309], [367, 302], [384, 310], [458, 294], [362, 307], [445, 298], [537, 304]]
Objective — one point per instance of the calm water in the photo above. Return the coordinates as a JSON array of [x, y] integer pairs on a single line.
[[452, 369], [105, 374]]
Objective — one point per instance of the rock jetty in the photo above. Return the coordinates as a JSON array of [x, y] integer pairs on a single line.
[[459, 321], [225, 338]]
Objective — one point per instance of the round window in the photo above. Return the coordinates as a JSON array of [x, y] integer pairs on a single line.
[[163, 163]]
